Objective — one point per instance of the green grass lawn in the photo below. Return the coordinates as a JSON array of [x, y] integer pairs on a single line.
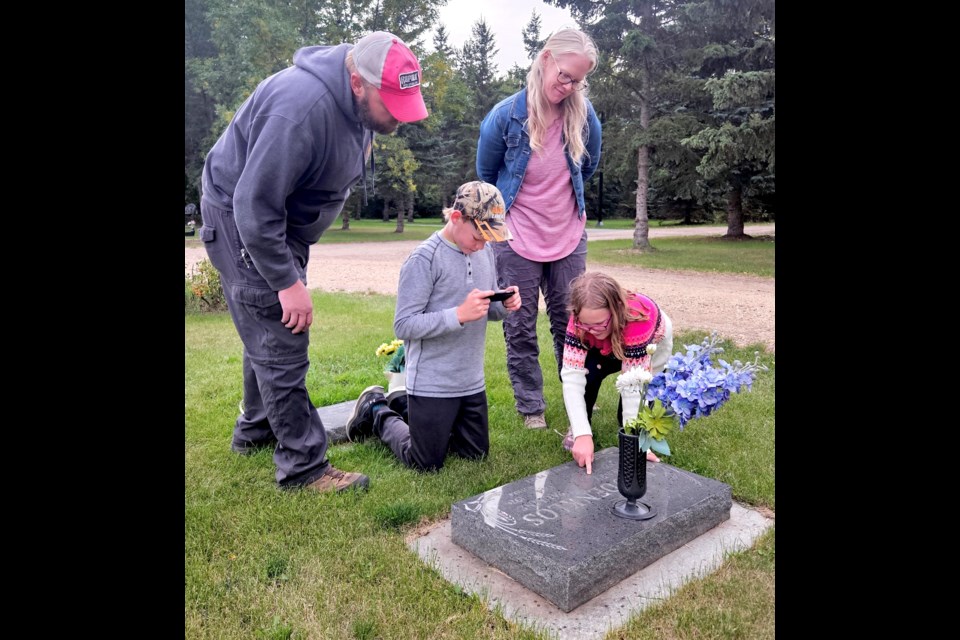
[[695, 253], [266, 563], [628, 223], [378, 231], [368, 230], [365, 231]]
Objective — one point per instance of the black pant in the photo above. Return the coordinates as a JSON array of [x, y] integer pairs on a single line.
[[436, 426], [598, 368]]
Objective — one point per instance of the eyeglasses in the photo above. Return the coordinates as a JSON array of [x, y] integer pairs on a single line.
[[597, 327], [563, 78]]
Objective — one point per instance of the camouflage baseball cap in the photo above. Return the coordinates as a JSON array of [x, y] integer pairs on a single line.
[[482, 203]]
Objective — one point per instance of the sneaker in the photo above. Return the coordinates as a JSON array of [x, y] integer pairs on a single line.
[[399, 403], [535, 421], [398, 392], [360, 423], [335, 480]]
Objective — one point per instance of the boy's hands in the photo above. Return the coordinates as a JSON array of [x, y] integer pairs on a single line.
[[513, 302], [474, 306], [477, 303]]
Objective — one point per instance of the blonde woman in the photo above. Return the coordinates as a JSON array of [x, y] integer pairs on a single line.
[[539, 146]]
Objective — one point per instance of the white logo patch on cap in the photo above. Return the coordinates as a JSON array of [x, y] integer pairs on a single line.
[[411, 79]]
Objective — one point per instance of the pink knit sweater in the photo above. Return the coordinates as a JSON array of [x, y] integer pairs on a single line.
[[637, 335]]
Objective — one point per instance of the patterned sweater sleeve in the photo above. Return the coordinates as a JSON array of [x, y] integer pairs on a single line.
[[573, 373]]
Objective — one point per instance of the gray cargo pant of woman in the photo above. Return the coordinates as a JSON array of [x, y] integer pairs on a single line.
[[520, 327]]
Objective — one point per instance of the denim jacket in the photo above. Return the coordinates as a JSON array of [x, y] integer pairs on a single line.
[[504, 149]]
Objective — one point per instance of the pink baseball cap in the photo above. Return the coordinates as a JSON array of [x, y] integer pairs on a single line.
[[383, 60]]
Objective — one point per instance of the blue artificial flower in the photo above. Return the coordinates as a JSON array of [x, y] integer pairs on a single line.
[[693, 387]]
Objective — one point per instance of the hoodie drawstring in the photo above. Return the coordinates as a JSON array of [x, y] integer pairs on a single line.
[[373, 172]]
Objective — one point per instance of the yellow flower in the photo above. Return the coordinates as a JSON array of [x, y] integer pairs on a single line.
[[386, 349]]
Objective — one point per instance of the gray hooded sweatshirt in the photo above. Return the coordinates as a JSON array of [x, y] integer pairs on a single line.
[[287, 160]]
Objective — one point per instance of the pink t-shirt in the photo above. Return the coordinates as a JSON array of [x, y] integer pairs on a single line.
[[543, 217]]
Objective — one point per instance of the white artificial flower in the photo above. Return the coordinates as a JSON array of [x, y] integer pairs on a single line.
[[633, 380]]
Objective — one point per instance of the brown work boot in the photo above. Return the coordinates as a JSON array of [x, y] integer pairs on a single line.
[[535, 421], [335, 480]]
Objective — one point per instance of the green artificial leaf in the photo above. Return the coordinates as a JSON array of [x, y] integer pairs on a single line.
[[633, 427], [644, 440], [660, 446], [656, 420], [399, 360]]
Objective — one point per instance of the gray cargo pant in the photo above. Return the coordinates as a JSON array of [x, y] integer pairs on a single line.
[[520, 327], [276, 405]]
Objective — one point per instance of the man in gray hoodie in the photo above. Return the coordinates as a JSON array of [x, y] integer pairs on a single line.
[[272, 184]]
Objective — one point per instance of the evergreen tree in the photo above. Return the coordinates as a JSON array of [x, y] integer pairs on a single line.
[[439, 142], [532, 42], [234, 45], [638, 41], [479, 73], [479, 69], [737, 61], [331, 22], [441, 43], [409, 19], [661, 84]]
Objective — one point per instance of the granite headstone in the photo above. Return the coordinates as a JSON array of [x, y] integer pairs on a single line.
[[555, 532]]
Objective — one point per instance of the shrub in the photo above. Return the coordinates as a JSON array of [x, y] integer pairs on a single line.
[[203, 286]]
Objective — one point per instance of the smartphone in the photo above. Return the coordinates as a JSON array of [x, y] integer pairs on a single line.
[[500, 296]]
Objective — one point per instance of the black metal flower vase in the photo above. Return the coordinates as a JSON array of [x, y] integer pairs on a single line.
[[632, 480]]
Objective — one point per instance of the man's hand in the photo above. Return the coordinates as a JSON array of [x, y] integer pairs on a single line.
[[583, 452], [297, 307]]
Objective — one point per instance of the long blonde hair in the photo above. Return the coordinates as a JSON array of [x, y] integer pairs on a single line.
[[574, 106], [595, 290]]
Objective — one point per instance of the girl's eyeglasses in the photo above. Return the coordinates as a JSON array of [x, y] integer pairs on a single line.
[[597, 327]]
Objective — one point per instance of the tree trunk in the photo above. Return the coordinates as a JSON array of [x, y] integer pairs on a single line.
[[641, 230], [600, 195], [345, 218], [735, 210], [649, 23], [401, 206], [386, 210]]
